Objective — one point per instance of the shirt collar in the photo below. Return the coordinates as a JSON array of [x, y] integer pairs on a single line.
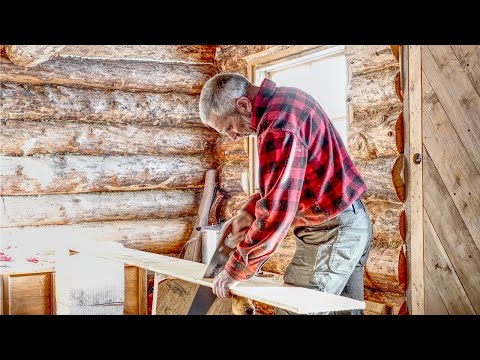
[[265, 94]]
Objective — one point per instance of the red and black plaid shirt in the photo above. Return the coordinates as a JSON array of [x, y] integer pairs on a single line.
[[306, 175]]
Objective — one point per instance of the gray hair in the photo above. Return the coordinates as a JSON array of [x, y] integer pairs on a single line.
[[219, 95]]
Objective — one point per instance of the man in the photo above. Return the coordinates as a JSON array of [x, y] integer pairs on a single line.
[[306, 179]]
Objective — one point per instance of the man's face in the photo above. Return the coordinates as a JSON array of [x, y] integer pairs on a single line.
[[235, 126]]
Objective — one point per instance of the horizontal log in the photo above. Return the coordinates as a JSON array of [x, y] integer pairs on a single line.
[[19, 137], [72, 208], [364, 59], [385, 217], [373, 89], [129, 75], [172, 53], [372, 133], [30, 102], [393, 300], [382, 270], [377, 173], [233, 204], [374, 308], [400, 134], [31, 55], [398, 178], [80, 174], [234, 177], [227, 150], [164, 236], [230, 57]]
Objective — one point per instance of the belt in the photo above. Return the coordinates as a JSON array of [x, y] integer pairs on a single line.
[[357, 205]]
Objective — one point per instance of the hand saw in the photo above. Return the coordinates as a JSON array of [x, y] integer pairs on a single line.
[[205, 297]]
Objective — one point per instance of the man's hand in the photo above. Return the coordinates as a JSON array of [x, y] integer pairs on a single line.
[[222, 283]]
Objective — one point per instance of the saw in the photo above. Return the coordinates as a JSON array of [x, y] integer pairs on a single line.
[[205, 297]]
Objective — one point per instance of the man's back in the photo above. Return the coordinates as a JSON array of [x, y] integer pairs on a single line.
[[331, 182]]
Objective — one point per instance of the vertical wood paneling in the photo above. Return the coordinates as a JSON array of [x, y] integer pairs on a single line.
[[451, 126]]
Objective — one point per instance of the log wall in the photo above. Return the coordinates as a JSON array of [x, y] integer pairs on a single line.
[[375, 119], [103, 142]]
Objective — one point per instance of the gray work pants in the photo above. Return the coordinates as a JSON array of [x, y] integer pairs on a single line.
[[330, 257]]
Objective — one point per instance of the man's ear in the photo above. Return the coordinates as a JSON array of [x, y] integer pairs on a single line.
[[244, 106]]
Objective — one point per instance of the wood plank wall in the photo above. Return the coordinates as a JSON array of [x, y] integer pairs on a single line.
[[375, 109], [105, 142], [451, 137]]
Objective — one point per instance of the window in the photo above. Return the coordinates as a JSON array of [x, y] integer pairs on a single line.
[[322, 74]]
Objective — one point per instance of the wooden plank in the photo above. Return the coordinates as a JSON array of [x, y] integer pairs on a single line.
[[174, 297], [193, 250], [30, 102], [1, 288], [53, 294], [443, 274], [457, 95], [79, 208], [131, 75], [19, 137], [374, 308], [173, 53], [142, 292], [6, 295], [364, 59], [132, 303], [469, 58], [452, 232], [433, 302], [88, 285], [413, 177], [81, 174], [266, 290], [30, 294], [31, 55], [166, 236], [459, 173]]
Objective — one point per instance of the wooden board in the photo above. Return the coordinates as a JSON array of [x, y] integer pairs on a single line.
[[443, 275], [458, 171], [30, 294], [266, 290], [469, 58], [457, 95], [452, 232], [413, 177]]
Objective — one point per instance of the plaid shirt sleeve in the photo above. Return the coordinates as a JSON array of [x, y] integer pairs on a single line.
[[283, 161], [250, 205]]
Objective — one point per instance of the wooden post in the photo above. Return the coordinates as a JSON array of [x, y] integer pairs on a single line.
[[411, 66]]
